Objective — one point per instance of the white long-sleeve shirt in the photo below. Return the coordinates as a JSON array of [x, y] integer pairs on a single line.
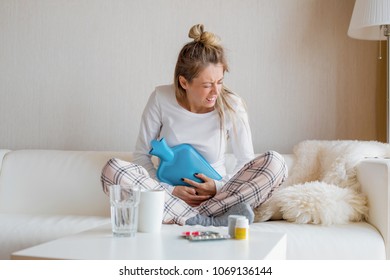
[[164, 117]]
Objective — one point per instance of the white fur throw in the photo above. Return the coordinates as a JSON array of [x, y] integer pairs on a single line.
[[323, 186]]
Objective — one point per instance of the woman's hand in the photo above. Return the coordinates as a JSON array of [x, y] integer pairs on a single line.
[[198, 192], [205, 188], [189, 195]]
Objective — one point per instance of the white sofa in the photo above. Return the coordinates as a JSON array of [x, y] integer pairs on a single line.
[[47, 194]]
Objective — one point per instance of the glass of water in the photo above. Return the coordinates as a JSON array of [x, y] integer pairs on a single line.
[[124, 202]]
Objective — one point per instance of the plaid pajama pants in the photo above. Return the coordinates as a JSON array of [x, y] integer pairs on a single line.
[[253, 184]]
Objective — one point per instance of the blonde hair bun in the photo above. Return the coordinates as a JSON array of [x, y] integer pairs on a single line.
[[199, 35]]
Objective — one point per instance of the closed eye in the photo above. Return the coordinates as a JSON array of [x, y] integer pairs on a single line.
[[209, 85]]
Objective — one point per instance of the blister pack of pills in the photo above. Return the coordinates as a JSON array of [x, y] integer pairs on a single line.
[[204, 235]]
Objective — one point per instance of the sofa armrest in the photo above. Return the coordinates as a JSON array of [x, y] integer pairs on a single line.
[[373, 175], [2, 155]]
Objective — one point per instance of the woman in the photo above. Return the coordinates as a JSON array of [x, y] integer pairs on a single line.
[[199, 110]]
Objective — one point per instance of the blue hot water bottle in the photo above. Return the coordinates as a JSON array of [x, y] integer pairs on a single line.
[[181, 161]]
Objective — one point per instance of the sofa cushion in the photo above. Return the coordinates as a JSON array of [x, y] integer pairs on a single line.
[[351, 241], [54, 182], [18, 232]]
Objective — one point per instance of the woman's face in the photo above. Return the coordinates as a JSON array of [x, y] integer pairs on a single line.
[[203, 90]]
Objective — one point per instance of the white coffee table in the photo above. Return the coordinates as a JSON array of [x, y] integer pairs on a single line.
[[99, 244]]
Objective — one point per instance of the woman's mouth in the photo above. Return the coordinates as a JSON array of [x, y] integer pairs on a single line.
[[211, 99]]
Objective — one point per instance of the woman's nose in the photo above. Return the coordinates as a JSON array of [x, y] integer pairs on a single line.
[[215, 88]]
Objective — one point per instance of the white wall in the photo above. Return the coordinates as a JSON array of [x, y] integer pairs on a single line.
[[75, 74]]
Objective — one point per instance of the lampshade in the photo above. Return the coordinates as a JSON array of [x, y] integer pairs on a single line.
[[367, 17]]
